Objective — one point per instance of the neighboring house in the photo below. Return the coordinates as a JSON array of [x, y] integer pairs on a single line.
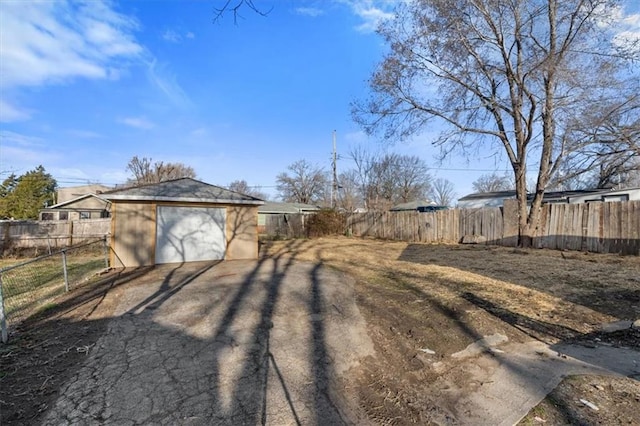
[[496, 199], [88, 206], [422, 206], [72, 192], [274, 208], [182, 220], [628, 194], [485, 199]]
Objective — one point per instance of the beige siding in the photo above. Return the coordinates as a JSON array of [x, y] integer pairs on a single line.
[[242, 232], [71, 192], [89, 203], [134, 234], [134, 231]]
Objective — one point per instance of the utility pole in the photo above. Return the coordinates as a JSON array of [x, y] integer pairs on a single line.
[[334, 183]]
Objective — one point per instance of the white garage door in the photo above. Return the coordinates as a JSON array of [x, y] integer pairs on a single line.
[[187, 234]]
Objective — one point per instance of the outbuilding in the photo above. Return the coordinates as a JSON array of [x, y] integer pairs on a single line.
[[182, 220]]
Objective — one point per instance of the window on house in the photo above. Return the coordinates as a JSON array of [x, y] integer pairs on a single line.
[[105, 214], [85, 215], [63, 215], [47, 216], [621, 197]]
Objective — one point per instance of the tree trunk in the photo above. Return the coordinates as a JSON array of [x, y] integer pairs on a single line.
[[525, 237]]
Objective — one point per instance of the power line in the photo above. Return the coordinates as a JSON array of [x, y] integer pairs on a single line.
[[464, 170]]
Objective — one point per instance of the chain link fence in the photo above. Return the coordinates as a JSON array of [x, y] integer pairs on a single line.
[[30, 286]]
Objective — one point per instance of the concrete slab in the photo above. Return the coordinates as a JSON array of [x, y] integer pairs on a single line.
[[517, 378], [241, 342]]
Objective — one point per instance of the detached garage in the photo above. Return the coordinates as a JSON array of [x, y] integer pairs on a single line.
[[182, 220]]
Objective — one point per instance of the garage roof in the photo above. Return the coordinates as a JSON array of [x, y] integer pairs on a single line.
[[185, 190], [279, 208]]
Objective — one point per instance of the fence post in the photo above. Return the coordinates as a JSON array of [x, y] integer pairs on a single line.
[[64, 270], [105, 249], [3, 318]]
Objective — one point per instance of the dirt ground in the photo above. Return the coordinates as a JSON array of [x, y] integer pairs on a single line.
[[423, 304], [443, 298]]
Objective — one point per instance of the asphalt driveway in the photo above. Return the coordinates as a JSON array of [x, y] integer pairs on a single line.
[[240, 342]]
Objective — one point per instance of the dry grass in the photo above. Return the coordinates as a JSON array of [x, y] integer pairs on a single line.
[[563, 293], [443, 298]]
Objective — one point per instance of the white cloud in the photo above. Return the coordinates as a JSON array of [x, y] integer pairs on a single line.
[[166, 82], [13, 138], [625, 27], [113, 176], [55, 41], [137, 123], [199, 132], [70, 173], [10, 113], [356, 137], [171, 36], [372, 12], [25, 158], [84, 134], [23, 152], [309, 11], [628, 32]]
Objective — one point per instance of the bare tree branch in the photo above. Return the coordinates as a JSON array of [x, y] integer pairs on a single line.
[[234, 7], [518, 72], [304, 183]]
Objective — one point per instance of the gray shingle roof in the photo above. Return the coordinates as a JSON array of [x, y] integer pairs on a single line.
[[273, 207], [184, 190], [412, 205]]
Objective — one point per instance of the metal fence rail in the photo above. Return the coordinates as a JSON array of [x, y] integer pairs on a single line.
[[28, 287]]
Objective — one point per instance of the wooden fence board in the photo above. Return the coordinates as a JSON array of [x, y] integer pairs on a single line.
[[612, 227], [51, 234]]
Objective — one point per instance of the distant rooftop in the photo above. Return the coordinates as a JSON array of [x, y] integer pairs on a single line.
[[548, 195], [287, 208], [411, 205], [184, 189]]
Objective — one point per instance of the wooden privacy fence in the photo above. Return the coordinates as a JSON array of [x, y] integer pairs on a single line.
[[441, 226], [19, 234], [444, 226], [612, 227], [285, 225]]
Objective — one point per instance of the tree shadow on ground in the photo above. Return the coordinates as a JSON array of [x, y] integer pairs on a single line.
[[580, 276], [137, 367], [568, 342], [49, 347]]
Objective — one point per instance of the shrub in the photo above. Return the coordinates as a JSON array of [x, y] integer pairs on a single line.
[[326, 222]]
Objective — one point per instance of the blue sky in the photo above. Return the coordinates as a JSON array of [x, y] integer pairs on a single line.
[[85, 87]]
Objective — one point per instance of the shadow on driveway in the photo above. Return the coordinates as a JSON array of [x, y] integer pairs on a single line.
[[238, 342]]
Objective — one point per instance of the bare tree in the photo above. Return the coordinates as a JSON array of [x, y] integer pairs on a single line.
[[511, 72], [305, 183], [492, 182], [145, 171], [364, 162], [602, 146], [406, 176], [442, 192], [243, 187], [349, 194], [388, 179], [234, 7]]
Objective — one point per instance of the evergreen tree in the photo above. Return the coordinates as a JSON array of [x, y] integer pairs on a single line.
[[22, 197]]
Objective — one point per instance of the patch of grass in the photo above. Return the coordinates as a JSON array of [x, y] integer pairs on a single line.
[[541, 288], [30, 288], [47, 307]]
